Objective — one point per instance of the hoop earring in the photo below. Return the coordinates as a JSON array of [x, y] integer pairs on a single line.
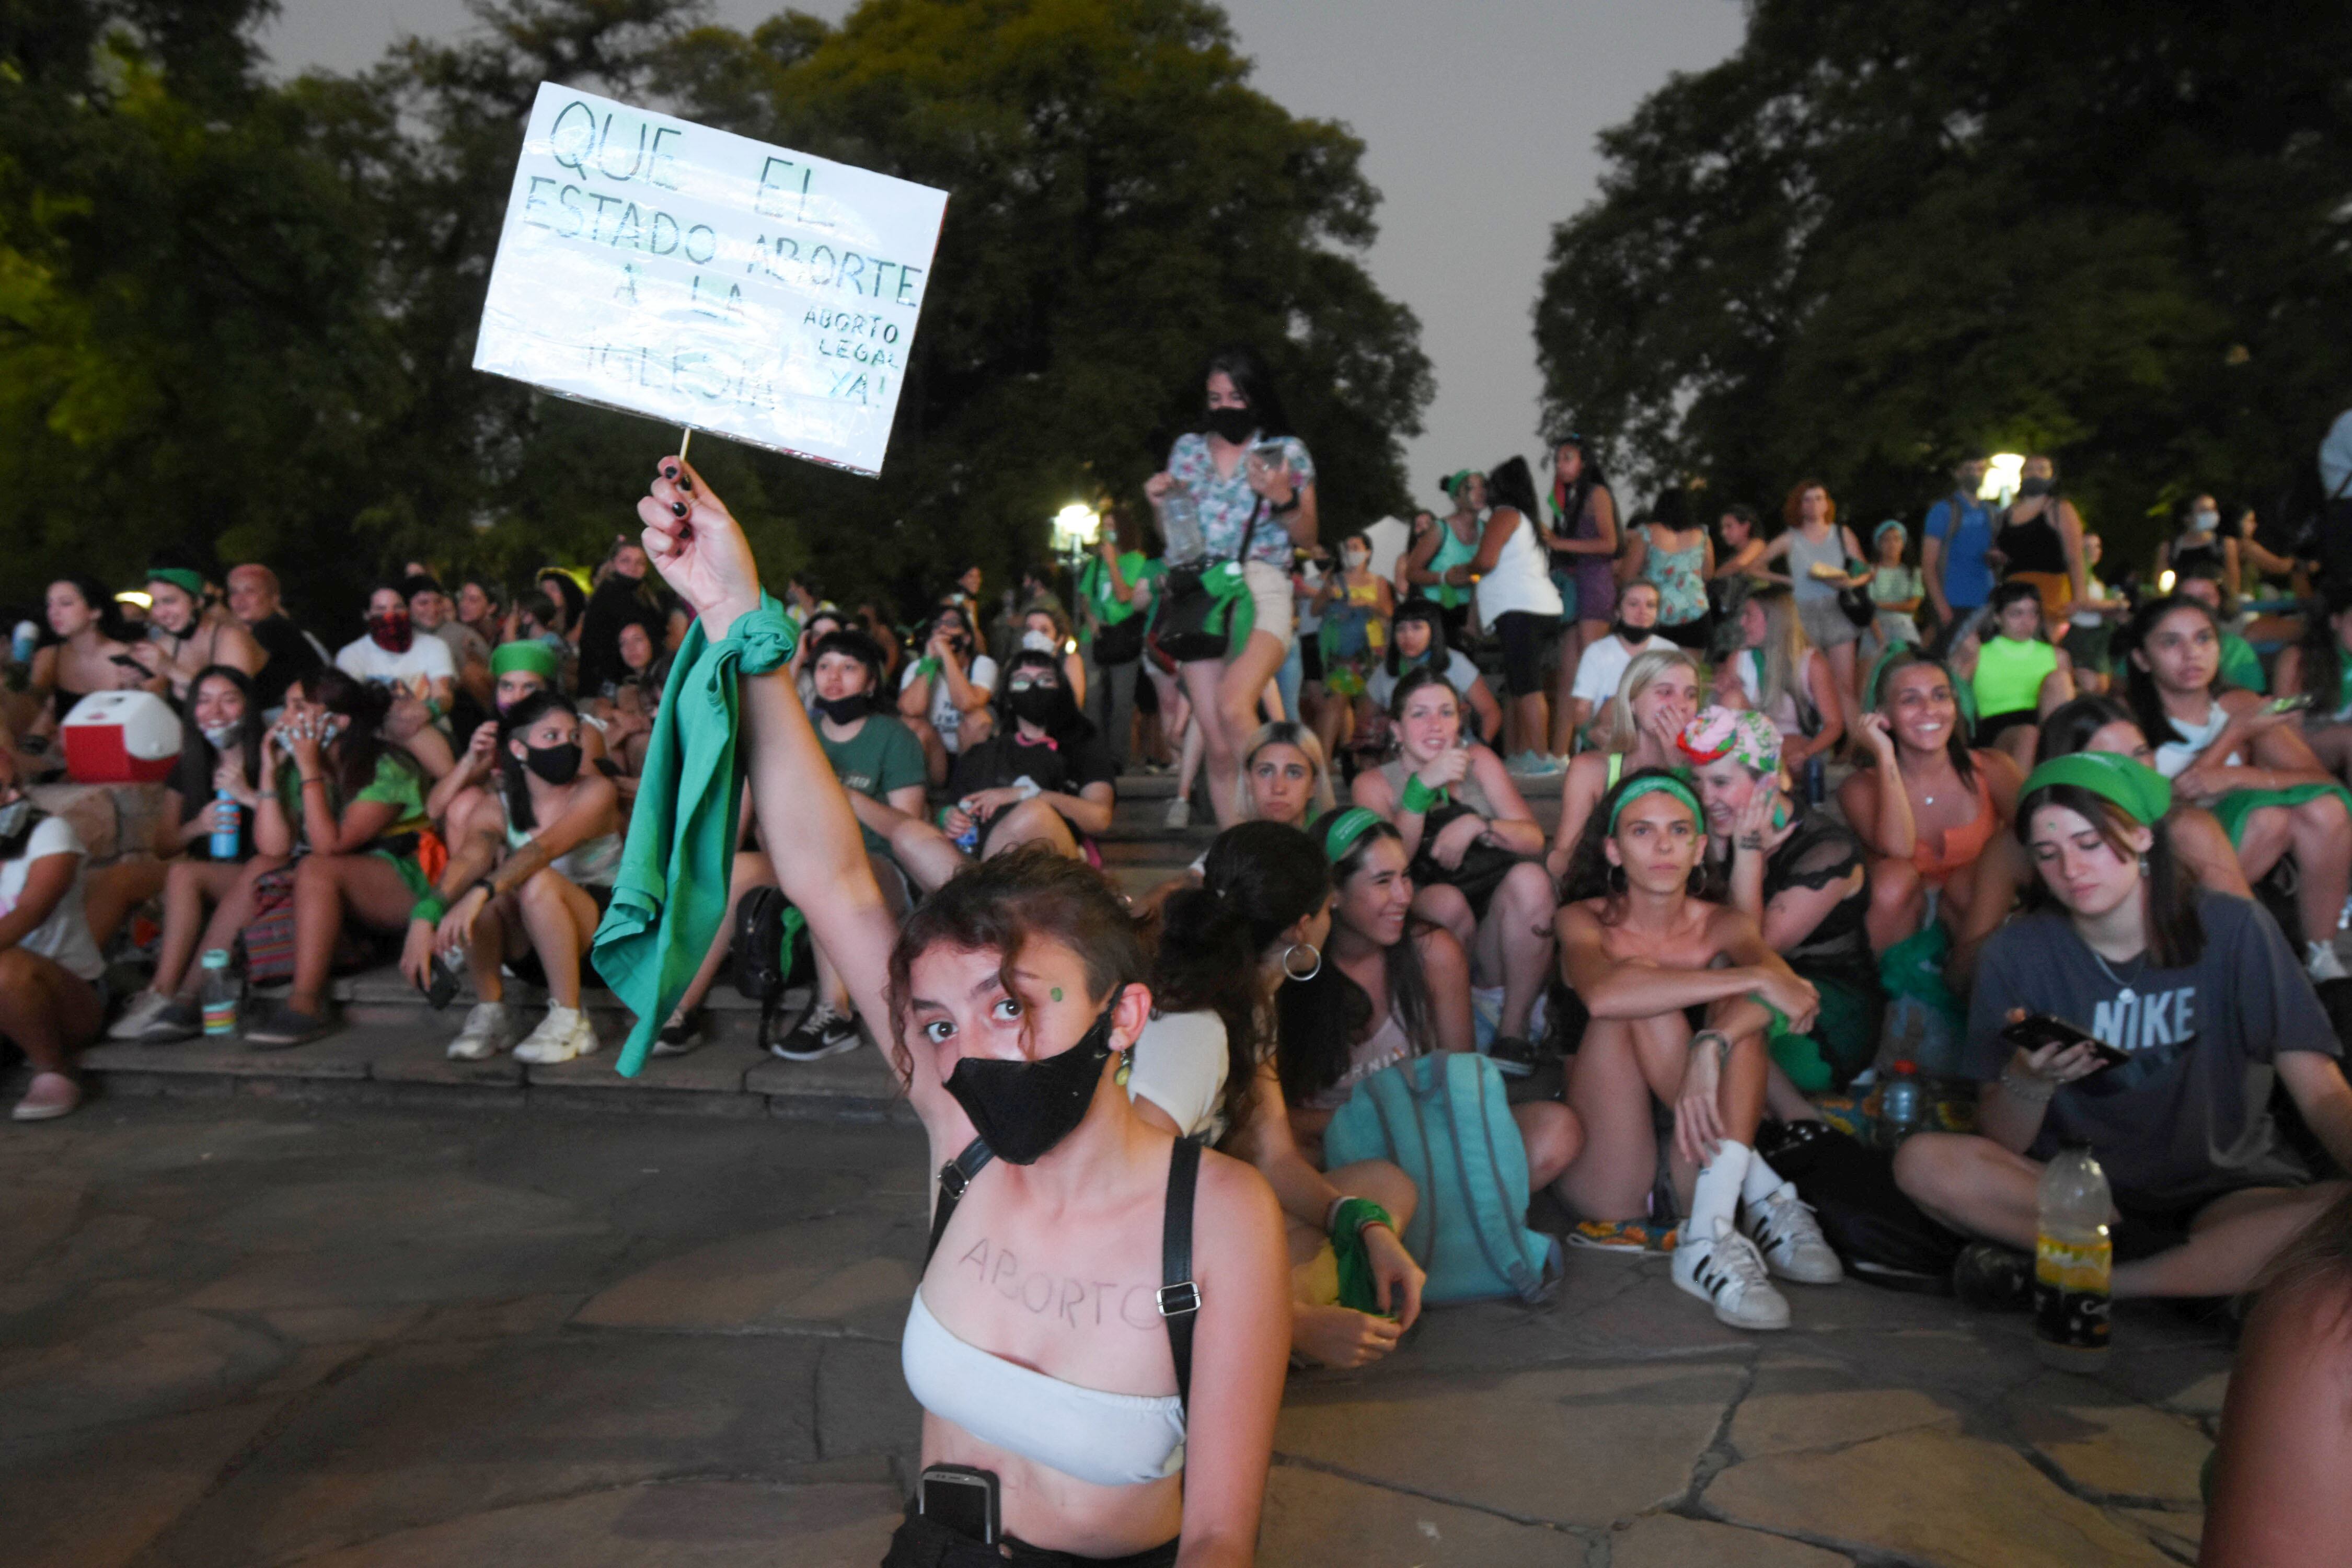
[[1313, 969], [1617, 883]]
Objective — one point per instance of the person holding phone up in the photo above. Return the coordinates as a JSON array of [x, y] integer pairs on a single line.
[[2143, 1015]]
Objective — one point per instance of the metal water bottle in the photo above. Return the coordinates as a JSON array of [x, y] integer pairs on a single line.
[[1902, 1103], [224, 839], [2073, 1259], [219, 995]]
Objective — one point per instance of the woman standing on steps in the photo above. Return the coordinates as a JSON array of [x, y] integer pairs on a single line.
[[1133, 1419]]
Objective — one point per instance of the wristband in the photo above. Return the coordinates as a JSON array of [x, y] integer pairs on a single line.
[[1349, 1216], [1780, 1019], [1029, 789], [1417, 796], [2026, 1087], [429, 909], [485, 887], [926, 667], [1722, 1043]]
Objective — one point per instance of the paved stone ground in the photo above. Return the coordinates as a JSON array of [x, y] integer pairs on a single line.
[[234, 1332]]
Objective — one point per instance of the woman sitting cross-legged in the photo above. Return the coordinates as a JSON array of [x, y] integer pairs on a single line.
[[1474, 849], [2199, 994], [1804, 879], [2004, 872], [1044, 777], [350, 803], [1114, 1432], [1928, 804], [219, 754], [531, 869], [2228, 751], [1639, 947], [1208, 1064], [1641, 728]]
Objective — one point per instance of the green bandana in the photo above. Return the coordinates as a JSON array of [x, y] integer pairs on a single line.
[[189, 583], [1344, 829], [1451, 483], [529, 655], [1651, 784], [2143, 792]]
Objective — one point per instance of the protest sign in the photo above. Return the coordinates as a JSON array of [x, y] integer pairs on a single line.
[[710, 280]]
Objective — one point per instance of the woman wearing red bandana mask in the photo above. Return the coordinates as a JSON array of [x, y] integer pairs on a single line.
[[392, 654]]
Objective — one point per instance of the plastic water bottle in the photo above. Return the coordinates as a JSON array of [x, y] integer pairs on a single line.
[[23, 640], [1902, 1103], [1180, 520], [2072, 1258], [224, 839], [219, 992]]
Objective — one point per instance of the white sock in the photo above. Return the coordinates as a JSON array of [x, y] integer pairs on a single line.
[[1761, 1182], [1717, 1196]]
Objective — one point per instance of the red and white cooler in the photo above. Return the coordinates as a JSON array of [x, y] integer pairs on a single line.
[[121, 737]]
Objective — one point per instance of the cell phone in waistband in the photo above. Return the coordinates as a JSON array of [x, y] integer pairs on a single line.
[[962, 1498]]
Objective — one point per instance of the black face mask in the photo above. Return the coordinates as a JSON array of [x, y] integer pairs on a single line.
[[1024, 1109], [1040, 705], [1234, 424], [846, 710], [1630, 634], [556, 765], [2034, 487]]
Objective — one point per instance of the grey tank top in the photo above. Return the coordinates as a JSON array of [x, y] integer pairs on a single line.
[[1803, 557], [1467, 792]]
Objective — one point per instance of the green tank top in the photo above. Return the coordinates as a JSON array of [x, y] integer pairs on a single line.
[[1451, 552], [2010, 675]]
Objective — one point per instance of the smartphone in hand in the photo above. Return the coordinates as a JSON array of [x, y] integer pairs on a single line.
[[2040, 1029]]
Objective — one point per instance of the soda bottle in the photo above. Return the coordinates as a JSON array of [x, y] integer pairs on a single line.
[[1902, 1100], [2072, 1260], [225, 840], [23, 641], [219, 994]]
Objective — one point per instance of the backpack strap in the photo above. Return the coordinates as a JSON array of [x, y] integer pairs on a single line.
[[955, 1180], [1179, 1297]]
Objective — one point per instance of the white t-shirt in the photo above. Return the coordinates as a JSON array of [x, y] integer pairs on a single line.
[[64, 937], [427, 655], [1181, 1065], [946, 716], [1380, 686], [1603, 665]]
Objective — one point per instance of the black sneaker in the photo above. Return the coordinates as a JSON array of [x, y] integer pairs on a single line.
[[680, 1035], [824, 1033], [1994, 1278], [281, 1026], [1514, 1053]]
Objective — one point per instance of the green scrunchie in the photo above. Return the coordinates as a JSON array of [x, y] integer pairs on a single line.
[[1417, 796], [2143, 792], [1357, 1288], [1651, 784], [1345, 829]]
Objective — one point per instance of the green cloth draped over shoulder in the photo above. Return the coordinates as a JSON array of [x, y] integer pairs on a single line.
[[670, 893]]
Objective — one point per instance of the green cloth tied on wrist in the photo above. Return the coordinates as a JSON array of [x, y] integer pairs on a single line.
[[429, 909], [670, 896], [1419, 797], [1780, 1019], [1357, 1289]]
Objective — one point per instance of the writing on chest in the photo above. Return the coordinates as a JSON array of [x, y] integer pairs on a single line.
[[1047, 1289]]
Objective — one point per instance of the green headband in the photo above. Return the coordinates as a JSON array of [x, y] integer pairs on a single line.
[[1345, 829], [1451, 483], [189, 583], [1651, 784], [2143, 792], [529, 655]]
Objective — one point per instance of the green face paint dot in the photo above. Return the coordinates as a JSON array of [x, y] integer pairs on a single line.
[[1057, 994]]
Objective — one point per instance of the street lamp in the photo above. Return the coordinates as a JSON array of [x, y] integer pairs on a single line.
[[2003, 471], [1075, 528]]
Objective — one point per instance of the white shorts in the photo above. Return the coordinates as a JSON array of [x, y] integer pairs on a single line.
[[1269, 590]]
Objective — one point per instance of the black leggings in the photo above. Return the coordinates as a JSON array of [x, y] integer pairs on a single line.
[[925, 1543], [1525, 637]]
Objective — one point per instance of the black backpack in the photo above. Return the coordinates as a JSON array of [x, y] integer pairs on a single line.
[[1883, 1237], [771, 953]]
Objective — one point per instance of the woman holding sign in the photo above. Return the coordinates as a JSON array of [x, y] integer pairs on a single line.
[[1100, 1331], [1241, 491]]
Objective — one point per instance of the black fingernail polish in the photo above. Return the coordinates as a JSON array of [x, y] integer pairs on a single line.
[[670, 470], [685, 481], [679, 507]]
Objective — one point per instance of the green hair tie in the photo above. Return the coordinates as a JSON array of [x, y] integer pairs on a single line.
[[1651, 784], [1345, 829]]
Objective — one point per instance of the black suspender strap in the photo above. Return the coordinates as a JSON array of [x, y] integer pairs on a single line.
[[955, 1180], [1180, 1297]]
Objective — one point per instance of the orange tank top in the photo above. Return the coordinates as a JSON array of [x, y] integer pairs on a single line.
[[1962, 843]]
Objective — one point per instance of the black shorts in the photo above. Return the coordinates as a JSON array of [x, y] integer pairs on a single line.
[[1690, 635], [1310, 658], [1526, 638], [925, 1544], [1992, 724], [2147, 1226]]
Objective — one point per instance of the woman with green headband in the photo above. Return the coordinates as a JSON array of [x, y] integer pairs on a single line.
[[2195, 1008], [517, 669], [2230, 751], [185, 635], [1438, 566], [1640, 948]]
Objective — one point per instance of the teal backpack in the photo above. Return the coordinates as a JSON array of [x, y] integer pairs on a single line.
[[1445, 1120]]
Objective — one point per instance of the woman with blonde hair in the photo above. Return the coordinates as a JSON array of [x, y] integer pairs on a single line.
[[1657, 696], [1775, 670], [1286, 776]]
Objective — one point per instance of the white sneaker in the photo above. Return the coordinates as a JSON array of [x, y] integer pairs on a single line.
[[490, 1029], [2322, 962], [142, 1010], [563, 1034], [1725, 1271], [1783, 1228], [1180, 811]]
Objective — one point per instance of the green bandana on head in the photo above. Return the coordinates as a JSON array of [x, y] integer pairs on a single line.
[[192, 584], [1451, 483], [1652, 784], [2144, 793], [1345, 828], [529, 655]]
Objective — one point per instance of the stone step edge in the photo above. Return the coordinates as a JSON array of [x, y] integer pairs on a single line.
[[562, 1098]]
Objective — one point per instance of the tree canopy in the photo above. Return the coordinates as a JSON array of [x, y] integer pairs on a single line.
[[237, 316], [1882, 236]]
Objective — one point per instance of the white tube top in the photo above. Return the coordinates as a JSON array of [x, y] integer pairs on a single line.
[[1103, 1439]]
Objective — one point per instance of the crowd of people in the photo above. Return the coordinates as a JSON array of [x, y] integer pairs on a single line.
[[2057, 799]]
